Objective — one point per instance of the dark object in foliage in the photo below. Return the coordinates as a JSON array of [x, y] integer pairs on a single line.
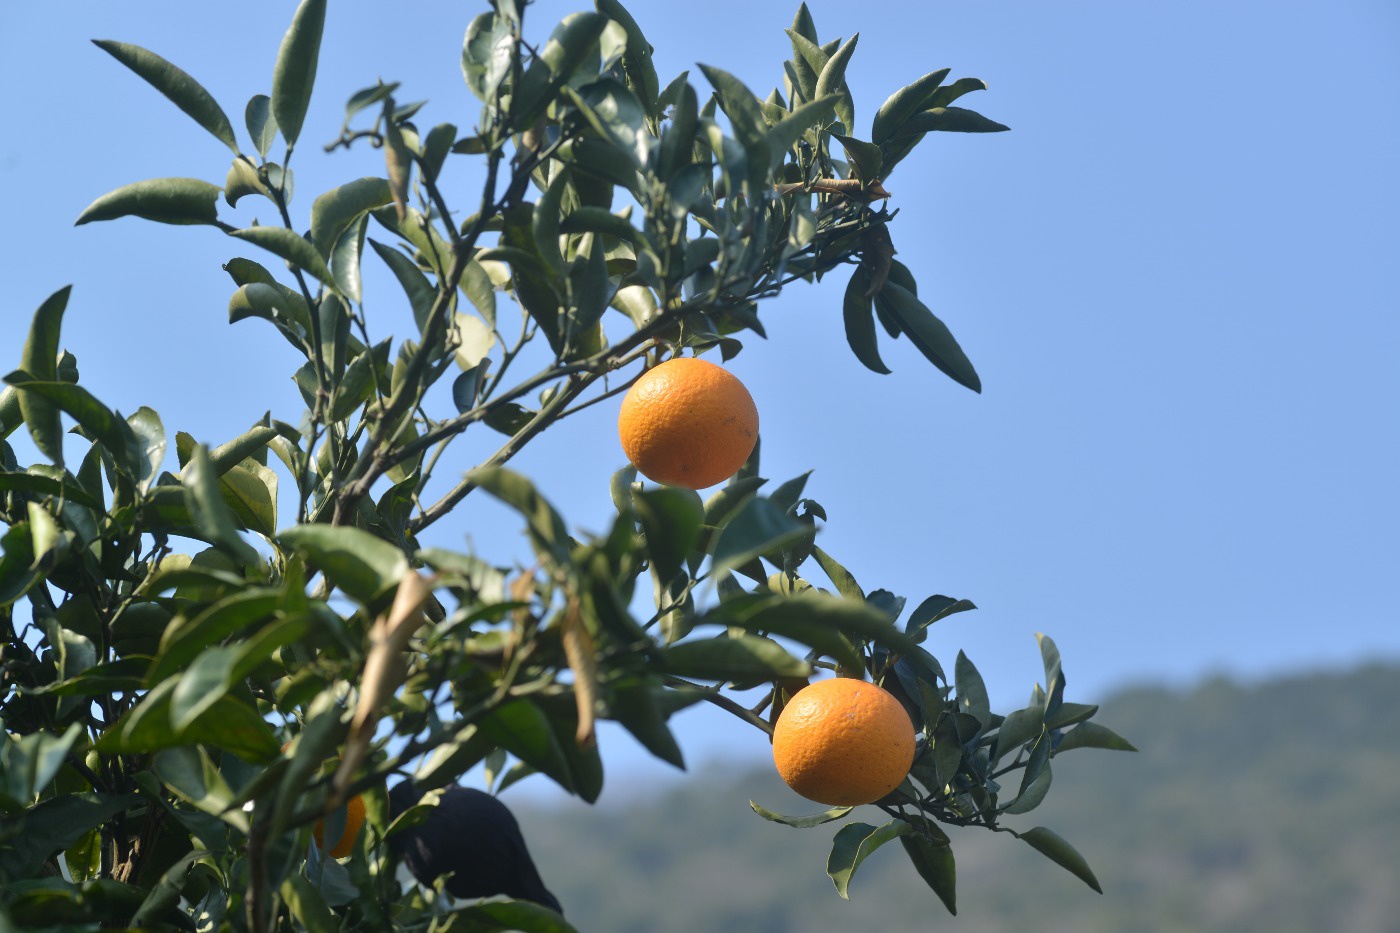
[[474, 837]]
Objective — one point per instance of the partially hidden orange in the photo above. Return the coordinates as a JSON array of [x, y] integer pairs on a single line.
[[354, 820], [843, 742], [688, 422]]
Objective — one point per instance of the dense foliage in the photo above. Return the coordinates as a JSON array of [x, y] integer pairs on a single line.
[[191, 681], [1238, 816]]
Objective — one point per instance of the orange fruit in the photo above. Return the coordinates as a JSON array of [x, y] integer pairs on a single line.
[[688, 422], [354, 820], [843, 742]]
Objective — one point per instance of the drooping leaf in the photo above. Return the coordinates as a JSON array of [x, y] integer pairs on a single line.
[[164, 200], [801, 822], [854, 843], [930, 335], [858, 313], [182, 90], [671, 519], [932, 857], [295, 71], [1061, 853]]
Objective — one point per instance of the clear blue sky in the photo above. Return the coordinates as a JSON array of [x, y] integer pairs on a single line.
[[1176, 276]]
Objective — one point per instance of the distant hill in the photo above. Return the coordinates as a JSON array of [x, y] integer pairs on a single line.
[[1270, 807]]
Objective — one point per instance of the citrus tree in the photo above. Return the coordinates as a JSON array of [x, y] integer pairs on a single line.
[[205, 697]]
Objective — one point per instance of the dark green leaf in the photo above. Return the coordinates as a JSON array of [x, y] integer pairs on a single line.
[[164, 200], [760, 528], [747, 657], [291, 247], [931, 610], [182, 90], [903, 104], [856, 310], [362, 565], [523, 729], [54, 825], [833, 74], [671, 520], [801, 822], [853, 844], [295, 72], [865, 158], [931, 336], [1061, 853], [34, 484], [241, 181], [1093, 735], [972, 692], [273, 303], [933, 859], [521, 916], [947, 94], [40, 360], [1067, 714], [950, 120], [1016, 730], [640, 709], [100, 422], [1054, 675]]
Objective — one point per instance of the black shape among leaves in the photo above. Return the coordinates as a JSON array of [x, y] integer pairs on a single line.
[[473, 838]]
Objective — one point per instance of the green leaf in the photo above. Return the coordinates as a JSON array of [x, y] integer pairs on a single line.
[[210, 513], [54, 825], [903, 104], [1016, 730], [272, 303], [1054, 675], [933, 860], [166, 893], [801, 822], [295, 71], [241, 181], [362, 565], [164, 200], [857, 312], [948, 93], [746, 117], [950, 120], [40, 360], [840, 577], [972, 692], [1067, 714], [150, 442], [182, 90], [201, 685], [291, 247], [783, 135], [262, 126], [833, 74], [487, 53], [725, 658], [521, 916], [251, 493], [760, 528], [1035, 781], [642, 710], [1093, 735], [523, 729], [337, 209], [34, 484], [547, 531], [931, 610], [853, 844], [1061, 853], [931, 336], [864, 157], [420, 291], [671, 520], [100, 422]]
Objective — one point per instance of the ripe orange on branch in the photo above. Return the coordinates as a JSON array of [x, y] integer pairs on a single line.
[[843, 742], [688, 422]]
